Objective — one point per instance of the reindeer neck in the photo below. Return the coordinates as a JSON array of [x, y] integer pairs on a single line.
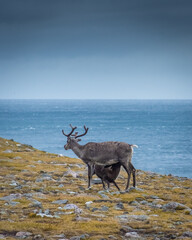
[[78, 149]]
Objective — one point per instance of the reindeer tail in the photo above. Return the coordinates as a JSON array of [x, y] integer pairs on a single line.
[[132, 145]]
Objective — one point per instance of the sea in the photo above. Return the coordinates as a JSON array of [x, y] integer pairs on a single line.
[[162, 129]]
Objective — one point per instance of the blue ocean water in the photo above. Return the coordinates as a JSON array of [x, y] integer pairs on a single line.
[[161, 129]]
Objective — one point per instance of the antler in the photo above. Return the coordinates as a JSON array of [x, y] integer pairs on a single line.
[[73, 129], [86, 130]]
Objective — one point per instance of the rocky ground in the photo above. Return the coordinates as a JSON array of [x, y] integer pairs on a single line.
[[45, 196]]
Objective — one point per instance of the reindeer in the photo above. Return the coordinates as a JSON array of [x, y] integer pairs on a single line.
[[109, 174], [104, 153]]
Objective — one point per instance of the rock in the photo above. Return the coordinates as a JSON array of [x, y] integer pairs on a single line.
[[59, 236], [101, 193], [13, 183], [135, 189], [13, 203], [95, 209], [187, 234], [119, 206], [104, 209], [153, 197], [17, 158], [46, 214], [60, 202], [127, 217], [134, 203], [132, 235], [23, 234], [12, 197], [88, 204], [38, 237], [2, 236], [126, 229], [171, 206], [144, 202], [112, 237], [96, 181], [35, 203], [83, 236], [72, 206], [8, 151], [70, 173], [83, 219]]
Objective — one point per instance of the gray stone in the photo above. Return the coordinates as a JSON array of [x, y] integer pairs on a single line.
[[35, 203], [174, 206], [71, 173], [88, 204], [101, 193], [187, 234], [144, 202], [104, 209], [23, 234], [14, 203], [17, 158], [154, 197], [83, 236], [2, 236], [47, 211], [38, 237], [59, 236], [60, 202], [132, 235], [134, 203], [112, 237], [95, 209], [83, 219], [13, 183], [96, 181], [135, 189], [8, 151], [72, 206], [119, 206], [11, 197], [75, 238], [46, 214], [127, 217]]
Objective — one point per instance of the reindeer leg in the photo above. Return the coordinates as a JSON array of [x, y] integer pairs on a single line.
[[127, 169], [116, 185], [134, 173], [91, 172]]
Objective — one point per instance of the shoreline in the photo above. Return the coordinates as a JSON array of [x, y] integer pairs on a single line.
[[45, 195]]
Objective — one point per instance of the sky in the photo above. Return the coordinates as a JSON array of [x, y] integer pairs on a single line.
[[95, 49]]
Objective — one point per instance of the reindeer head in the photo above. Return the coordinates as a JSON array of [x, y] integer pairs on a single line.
[[72, 139]]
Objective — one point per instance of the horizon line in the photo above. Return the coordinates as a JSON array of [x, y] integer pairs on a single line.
[[99, 99]]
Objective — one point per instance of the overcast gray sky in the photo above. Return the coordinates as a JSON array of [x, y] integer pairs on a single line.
[[92, 49]]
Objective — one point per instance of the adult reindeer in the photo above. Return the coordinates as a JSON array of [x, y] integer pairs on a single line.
[[105, 153]]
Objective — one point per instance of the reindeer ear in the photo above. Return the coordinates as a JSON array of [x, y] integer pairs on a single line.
[[78, 140]]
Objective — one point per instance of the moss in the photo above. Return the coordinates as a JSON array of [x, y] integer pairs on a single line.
[[26, 167]]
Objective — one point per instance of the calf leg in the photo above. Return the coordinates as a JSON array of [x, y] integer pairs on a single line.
[[116, 185], [103, 184]]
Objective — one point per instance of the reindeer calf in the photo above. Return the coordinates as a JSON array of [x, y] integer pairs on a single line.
[[109, 174]]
